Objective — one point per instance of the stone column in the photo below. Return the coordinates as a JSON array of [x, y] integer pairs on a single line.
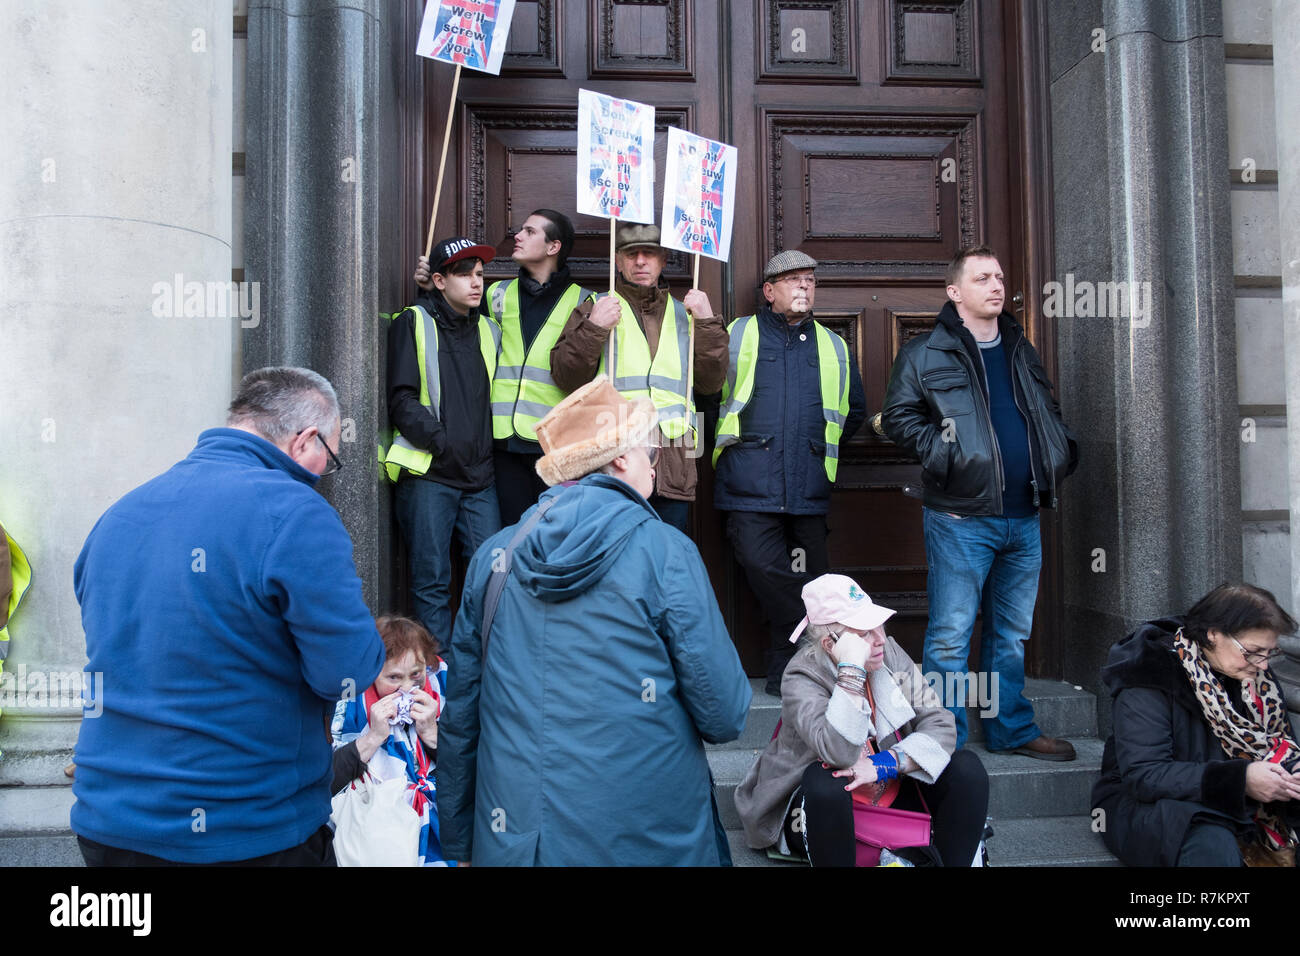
[[116, 199], [1152, 517], [1286, 93], [324, 159]]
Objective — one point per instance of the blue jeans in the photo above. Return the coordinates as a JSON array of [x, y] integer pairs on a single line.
[[991, 565], [428, 513]]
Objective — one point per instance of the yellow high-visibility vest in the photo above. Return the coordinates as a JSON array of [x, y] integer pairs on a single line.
[[661, 379], [833, 362], [402, 454], [18, 574], [523, 391]]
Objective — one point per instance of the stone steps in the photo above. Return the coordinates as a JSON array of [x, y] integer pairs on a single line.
[[35, 808], [39, 848], [34, 829]]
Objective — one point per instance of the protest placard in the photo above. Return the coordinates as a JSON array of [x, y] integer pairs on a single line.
[[699, 195], [616, 164], [469, 33]]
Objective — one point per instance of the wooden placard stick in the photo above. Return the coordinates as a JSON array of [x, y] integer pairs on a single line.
[[612, 225], [609, 362], [442, 163], [690, 349]]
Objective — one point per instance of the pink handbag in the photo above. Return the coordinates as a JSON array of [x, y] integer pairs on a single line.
[[878, 828]]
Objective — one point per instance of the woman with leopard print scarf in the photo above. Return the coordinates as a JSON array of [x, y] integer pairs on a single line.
[[1201, 768]]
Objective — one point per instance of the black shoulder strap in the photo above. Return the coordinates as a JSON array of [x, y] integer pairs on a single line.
[[501, 570]]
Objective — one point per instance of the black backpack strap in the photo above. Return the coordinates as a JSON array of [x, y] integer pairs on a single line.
[[501, 570]]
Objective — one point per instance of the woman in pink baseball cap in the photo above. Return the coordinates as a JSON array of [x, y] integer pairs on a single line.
[[862, 736]]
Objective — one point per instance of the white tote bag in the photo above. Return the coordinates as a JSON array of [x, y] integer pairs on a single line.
[[374, 825]]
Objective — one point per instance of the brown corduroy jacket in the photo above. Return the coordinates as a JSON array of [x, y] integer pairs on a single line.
[[576, 356]]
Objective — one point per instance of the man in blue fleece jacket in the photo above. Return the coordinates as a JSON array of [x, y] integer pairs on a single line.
[[221, 604]]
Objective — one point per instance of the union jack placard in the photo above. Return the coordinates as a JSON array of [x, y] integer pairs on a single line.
[[469, 33], [699, 194], [616, 158]]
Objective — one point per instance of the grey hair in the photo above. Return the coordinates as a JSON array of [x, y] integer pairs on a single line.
[[813, 633], [282, 401]]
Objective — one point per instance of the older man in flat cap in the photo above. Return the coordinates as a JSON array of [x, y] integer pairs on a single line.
[[792, 398], [589, 660], [651, 346]]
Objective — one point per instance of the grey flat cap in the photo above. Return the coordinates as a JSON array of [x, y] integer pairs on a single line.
[[787, 261], [633, 234]]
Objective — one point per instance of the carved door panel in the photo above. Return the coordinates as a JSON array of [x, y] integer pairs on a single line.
[[878, 136]]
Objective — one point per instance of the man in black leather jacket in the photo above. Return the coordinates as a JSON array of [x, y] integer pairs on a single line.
[[971, 400]]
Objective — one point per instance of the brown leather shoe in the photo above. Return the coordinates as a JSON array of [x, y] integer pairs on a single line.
[[1044, 748]]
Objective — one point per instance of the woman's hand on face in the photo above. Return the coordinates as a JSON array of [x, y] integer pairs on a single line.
[[383, 710], [1268, 782], [862, 772], [424, 710], [851, 649]]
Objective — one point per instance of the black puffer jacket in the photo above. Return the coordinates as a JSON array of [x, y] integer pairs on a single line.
[[939, 378], [1162, 764]]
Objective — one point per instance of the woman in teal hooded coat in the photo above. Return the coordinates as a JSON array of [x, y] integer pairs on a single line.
[[575, 736]]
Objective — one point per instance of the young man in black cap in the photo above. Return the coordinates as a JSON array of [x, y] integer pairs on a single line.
[[442, 352]]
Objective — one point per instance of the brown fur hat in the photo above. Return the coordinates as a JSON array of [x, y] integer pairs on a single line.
[[591, 428]]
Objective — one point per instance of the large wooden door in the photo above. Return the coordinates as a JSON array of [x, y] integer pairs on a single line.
[[878, 136]]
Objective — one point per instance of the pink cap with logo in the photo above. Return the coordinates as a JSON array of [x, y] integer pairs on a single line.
[[837, 599]]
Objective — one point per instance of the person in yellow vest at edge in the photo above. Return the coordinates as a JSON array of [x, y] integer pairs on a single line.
[[531, 311], [792, 399], [650, 358], [442, 352]]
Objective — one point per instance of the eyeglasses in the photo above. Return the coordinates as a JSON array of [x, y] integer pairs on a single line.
[[1261, 658], [335, 466], [652, 452], [808, 280]]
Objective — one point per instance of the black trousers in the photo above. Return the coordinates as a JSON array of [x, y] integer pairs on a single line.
[[316, 850], [674, 512], [780, 553], [958, 802], [518, 484]]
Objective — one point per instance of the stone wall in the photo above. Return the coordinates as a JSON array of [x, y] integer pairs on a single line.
[[1151, 520], [117, 208]]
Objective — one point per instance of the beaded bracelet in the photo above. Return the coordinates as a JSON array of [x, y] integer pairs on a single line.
[[853, 685]]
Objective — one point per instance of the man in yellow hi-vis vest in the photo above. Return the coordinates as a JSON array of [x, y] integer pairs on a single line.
[[531, 311], [441, 355], [651, 337], [793, 397]]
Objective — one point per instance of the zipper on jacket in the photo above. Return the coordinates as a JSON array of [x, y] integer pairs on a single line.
[[786, 457], [1001, 484], [1033, 465]]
